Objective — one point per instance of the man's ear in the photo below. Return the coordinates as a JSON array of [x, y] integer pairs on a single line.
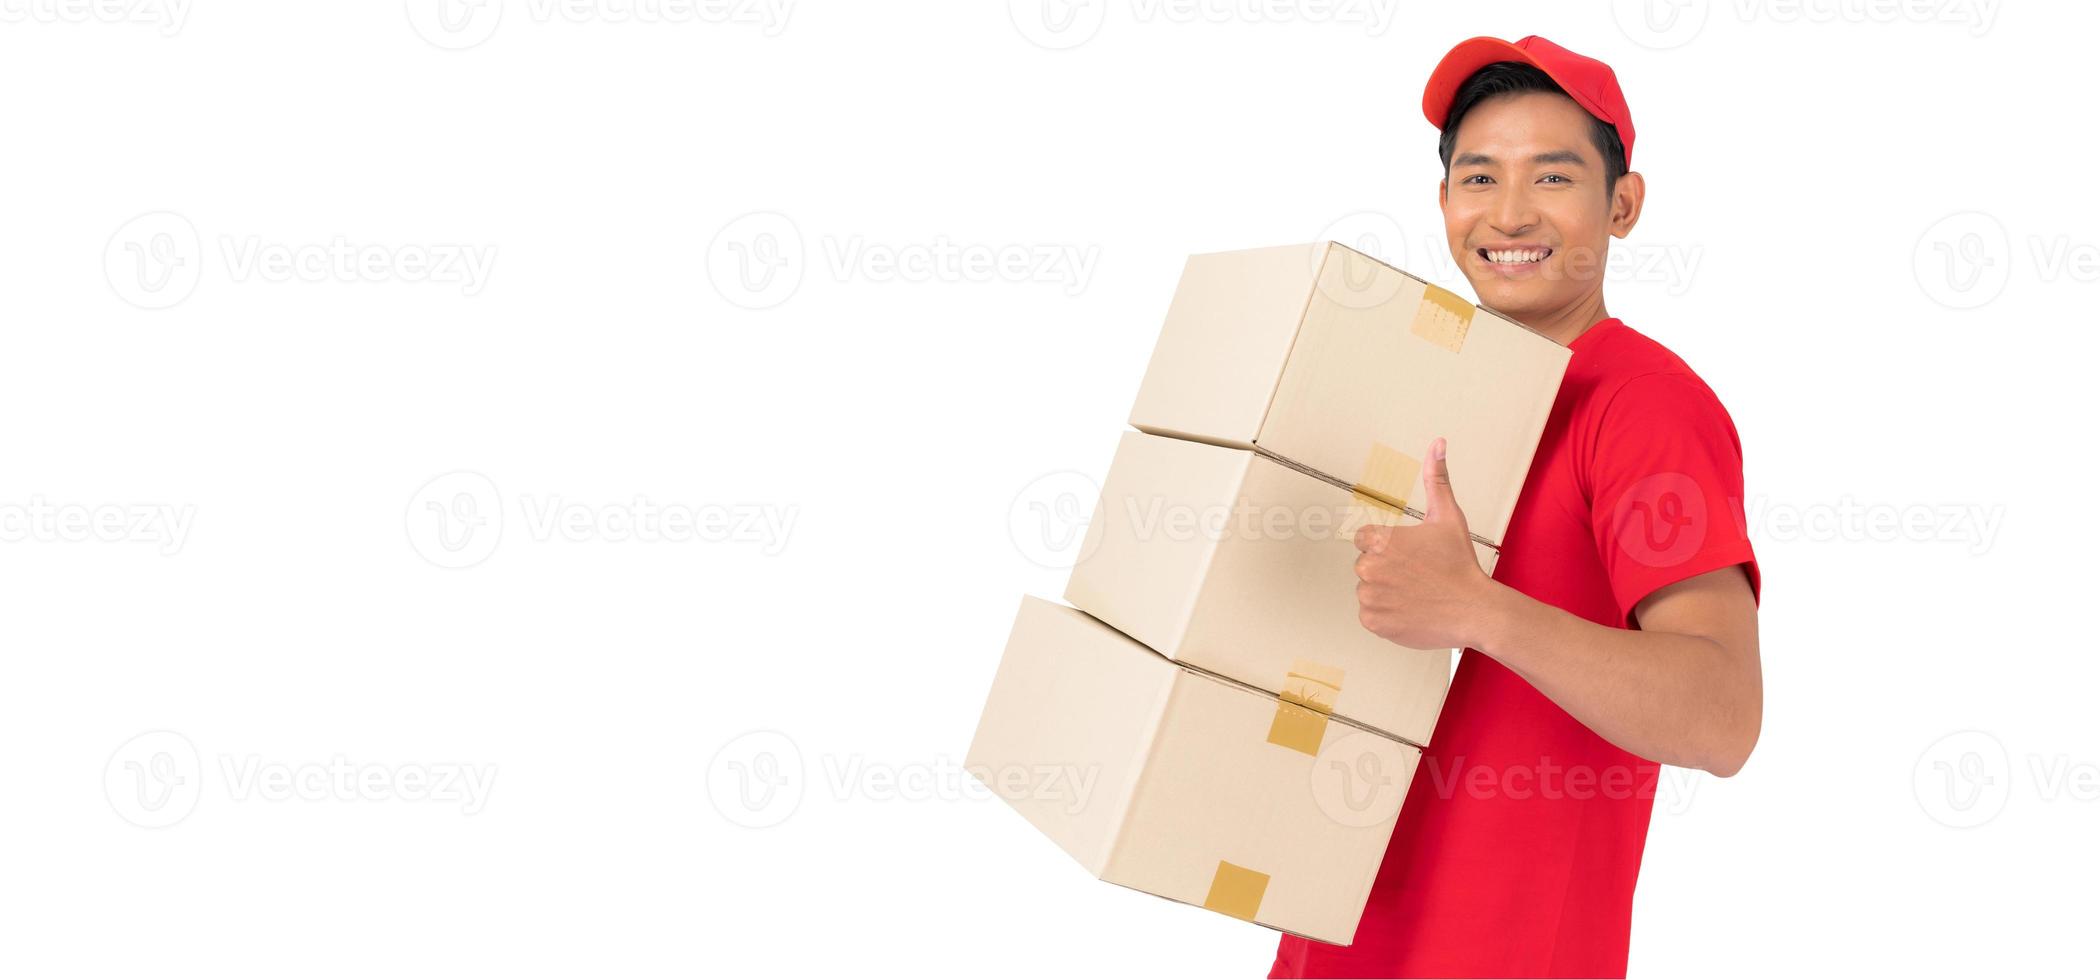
[[1626, 200], [1443, 192]]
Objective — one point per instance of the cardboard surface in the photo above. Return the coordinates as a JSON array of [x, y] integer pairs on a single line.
[[1229, 561], [1322, 355], [1189, 800]]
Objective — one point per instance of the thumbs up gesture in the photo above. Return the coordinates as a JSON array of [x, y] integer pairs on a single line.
[[1421, 587]]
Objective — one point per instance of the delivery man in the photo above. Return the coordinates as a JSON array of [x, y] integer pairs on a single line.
[[1619, 631]]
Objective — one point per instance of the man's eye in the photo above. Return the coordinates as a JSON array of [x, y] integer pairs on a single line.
[[1554, 179], [1475, 179]]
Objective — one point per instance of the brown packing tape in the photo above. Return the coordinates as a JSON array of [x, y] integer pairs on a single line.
[[1308, 696], [1297, 728], [1365, 498], [1443, 318], [1236, 891], [1388, 474], [1313, 685]]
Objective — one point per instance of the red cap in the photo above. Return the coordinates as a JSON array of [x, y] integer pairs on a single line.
[[1586, 80]]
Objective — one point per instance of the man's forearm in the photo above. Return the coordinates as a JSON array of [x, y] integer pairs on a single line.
[[1670, 697]]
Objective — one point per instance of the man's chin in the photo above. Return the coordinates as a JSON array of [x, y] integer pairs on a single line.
[[1514, 300]]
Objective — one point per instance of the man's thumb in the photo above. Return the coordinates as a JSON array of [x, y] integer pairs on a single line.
[[1436, 485]]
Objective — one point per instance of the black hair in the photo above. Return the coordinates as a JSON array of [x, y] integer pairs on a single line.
[[1511, 78]]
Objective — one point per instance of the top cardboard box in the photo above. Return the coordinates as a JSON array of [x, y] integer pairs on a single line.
[[1334, 362]]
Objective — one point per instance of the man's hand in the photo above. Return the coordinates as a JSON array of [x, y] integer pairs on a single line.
[[1421, 587]]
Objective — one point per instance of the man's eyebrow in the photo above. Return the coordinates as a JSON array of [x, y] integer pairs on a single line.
[[1551, 156]]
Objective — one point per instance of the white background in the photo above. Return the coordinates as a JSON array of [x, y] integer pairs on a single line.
[[866, 453]]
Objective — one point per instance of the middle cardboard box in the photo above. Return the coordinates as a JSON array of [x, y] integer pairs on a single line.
[[1230, 561]]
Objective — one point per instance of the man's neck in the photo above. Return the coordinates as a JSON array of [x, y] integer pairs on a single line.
[[1562, 326]]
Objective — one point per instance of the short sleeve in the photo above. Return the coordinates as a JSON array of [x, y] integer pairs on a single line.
[[1666, 488]]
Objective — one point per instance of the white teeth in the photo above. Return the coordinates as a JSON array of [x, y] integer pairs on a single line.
[[1516, 255]]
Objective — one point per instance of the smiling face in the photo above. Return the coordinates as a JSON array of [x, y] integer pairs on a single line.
[[1526, 210]]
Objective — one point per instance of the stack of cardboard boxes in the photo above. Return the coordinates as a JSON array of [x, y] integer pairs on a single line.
[[1249, 741]]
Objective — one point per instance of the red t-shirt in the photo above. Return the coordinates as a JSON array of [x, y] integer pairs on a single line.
[[1521, 835]]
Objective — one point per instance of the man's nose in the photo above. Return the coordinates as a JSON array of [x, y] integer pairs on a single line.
[[1513, 213]]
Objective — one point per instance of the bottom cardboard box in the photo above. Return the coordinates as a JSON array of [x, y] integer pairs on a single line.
[[1185, 784]]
